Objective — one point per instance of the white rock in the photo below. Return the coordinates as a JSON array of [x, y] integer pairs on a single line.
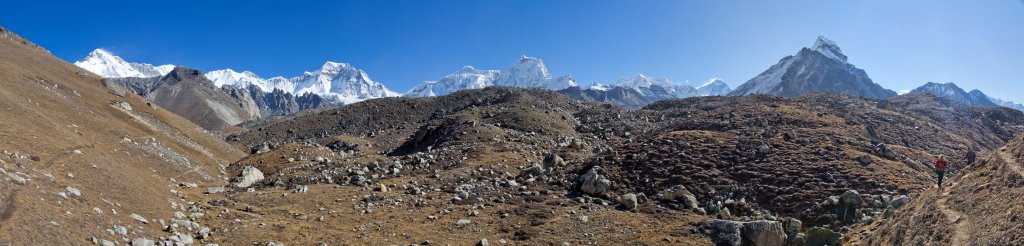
[[250, 175], [140, 218]]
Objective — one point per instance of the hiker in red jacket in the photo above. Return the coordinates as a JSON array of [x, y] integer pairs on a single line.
[[940, 168]]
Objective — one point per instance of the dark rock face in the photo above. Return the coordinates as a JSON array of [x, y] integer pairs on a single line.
[[281, 103], [625, 97], [140, 86]]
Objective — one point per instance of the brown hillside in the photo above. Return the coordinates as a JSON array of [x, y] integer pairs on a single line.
[[62, 132]]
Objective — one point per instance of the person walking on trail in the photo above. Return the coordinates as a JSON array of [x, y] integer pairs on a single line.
[[971, 155], [940, 168]]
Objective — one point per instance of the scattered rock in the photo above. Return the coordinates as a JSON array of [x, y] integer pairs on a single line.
[[73, 191], [462, 222], [140, 218], [215, 190], [679, 192], [143, 242], [628, 201], [822, 236], [552, 160], [899, 201]]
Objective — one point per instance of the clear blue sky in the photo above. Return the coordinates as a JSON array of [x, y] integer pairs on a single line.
[[901, 44]]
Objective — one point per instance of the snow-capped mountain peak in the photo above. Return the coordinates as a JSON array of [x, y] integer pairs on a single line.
[[954, 92], [828, 48], [107, 65], [341, 82], [466, 78], [714, 87], [821, 68], [530, 72], [642, 81]]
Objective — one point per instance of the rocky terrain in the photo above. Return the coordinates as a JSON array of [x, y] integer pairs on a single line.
[[486, 163], [90, 161]]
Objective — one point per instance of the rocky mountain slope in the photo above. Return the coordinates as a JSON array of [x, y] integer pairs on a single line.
[[188, 93], [82, 165], [821, 68]]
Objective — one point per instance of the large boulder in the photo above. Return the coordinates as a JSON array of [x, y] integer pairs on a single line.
[[899, 201], [726, 233], [818, 236], [763, 233], [847, 209], [793, 226], [250, 176], [757, 233], [593, 183]]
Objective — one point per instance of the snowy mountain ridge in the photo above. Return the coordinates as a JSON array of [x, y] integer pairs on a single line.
[[334, 81], [107, 65], [527, 72]]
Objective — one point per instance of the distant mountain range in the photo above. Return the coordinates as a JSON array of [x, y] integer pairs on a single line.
[[821, 68], [973, 98]]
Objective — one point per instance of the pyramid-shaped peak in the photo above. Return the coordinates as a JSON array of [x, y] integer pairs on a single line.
[[828, 48]]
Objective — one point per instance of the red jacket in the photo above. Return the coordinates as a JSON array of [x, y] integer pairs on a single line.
[[941, 165]]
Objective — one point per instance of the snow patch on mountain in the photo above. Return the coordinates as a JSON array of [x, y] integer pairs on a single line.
[[768, 81], [107, 65]]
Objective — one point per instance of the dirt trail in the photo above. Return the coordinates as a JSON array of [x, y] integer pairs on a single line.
[[959, 220], [1010, 161]]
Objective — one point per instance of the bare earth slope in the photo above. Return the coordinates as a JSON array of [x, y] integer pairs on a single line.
[[63, 134]]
